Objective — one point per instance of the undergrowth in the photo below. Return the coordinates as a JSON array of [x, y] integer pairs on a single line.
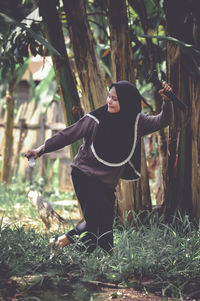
[[156, 257], [151, 256]]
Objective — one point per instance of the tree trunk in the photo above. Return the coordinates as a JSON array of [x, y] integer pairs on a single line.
[[136, 195], [163, 155], [92, 84], [184, 177], [121, 52], [8, 137], [140, 7], [66, 84], [195, 134]]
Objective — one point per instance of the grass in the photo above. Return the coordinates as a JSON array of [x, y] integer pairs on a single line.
[[149, 256]]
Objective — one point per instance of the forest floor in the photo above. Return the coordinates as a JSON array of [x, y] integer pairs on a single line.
[[87, 291]]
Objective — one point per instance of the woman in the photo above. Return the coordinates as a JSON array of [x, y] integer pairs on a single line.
[[111, 150]]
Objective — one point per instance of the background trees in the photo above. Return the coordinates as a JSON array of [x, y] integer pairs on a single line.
[[65, 80], [113, 40], [183, 73], [85, 55]]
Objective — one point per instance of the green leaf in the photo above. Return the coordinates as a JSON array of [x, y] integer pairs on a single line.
[[36, 36], [171, 39]]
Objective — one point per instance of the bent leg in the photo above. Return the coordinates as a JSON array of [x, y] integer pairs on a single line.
[[97, 203]]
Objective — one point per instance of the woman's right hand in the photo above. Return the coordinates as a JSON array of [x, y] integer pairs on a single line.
[[31, 153]]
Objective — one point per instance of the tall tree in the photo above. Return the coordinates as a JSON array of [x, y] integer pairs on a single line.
[[84, 48], [65, 80], [183, 73], [148, 17], [135, 195]]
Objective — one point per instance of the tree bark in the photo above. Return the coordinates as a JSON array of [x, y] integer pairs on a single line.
[[136, 195], [121, 52], [91, 79], [66, 84], [195, 152]]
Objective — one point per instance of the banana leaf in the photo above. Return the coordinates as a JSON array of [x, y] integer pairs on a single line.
[[36, 36]]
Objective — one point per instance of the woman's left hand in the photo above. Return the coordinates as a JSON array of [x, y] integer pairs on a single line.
[[166, 88]]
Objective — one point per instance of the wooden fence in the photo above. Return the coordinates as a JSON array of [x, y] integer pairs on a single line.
[[32, 126]]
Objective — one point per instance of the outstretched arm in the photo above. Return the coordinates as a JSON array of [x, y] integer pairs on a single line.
[[63, 138]]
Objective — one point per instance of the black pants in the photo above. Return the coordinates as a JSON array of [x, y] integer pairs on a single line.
[[97, 203]]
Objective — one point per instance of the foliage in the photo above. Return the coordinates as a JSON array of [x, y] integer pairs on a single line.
[[16, 48], [146, 17], [189, 50], [18, 10], [17, 44]]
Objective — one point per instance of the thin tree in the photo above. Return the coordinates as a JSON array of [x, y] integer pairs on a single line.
[[184, 171], [153, 56], [135, 195], [8, 136]]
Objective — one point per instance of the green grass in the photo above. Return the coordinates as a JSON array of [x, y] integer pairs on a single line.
[[149, 256]]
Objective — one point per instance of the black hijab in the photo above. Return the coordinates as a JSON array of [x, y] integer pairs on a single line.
[[115, 138]]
